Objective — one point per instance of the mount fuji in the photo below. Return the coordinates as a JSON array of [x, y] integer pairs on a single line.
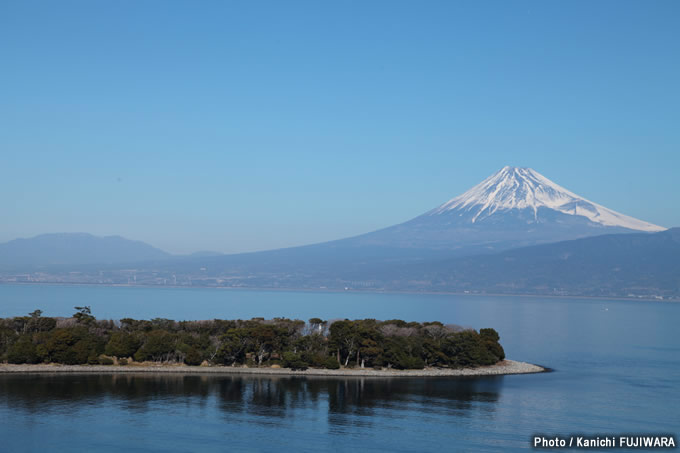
[[514, 207], [512, 190]]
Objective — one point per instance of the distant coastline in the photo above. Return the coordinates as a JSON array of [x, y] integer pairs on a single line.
[[506, 367], [331, 290]]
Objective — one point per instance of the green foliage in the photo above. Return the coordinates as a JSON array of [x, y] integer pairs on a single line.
[[490, 339], [398, 353], [345, 338], [129, 324], [256, 342], [489, 334], [41, 324], [294, 361], [468, 348], [159, 346], [122, 344], [193, 357], [23, 351], [36, 323], [163, 324], [233, 347], [266, 339], [331, 363], [73, 346], [404, 361], [7, 337], [84, 315]]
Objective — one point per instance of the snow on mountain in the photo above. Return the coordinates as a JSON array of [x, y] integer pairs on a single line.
[[524, 188]]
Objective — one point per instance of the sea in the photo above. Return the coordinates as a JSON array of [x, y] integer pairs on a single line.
[[615, 371]]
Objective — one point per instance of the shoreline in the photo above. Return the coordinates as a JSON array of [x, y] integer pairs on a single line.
[[353, 290], [506, 367]]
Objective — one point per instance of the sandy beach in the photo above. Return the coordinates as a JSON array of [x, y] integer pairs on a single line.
[[503, 368]]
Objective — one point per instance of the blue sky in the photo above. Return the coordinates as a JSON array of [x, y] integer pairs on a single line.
[[236, 126]]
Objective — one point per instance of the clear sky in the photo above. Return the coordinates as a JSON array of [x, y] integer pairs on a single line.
[[236, 126]]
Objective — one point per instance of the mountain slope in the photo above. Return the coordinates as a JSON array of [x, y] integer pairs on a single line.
[[75, 249], [610, 265], [514, 207]]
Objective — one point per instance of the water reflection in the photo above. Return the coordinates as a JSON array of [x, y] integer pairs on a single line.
[[262, 399]]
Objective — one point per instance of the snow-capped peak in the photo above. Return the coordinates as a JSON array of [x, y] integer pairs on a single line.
[[525, 188]]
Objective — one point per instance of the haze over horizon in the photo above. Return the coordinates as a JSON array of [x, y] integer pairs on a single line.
[[518, 193], [193, 129]]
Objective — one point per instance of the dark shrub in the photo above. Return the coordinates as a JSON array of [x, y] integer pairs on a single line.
[[489, 334], [412, 363], [468, 348], [73, 346], [23, 351], [38, 324], [298, 365], [294, 361], [159, 345], [193, 357], [122, 344], [490, 340], [331, 363]]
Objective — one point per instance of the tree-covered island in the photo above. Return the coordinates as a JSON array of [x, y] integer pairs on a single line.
[[296, 344]]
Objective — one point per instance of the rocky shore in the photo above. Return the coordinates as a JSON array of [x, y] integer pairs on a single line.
[[501, 368]]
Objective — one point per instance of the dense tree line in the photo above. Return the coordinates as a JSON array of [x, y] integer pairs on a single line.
[[82, 339]]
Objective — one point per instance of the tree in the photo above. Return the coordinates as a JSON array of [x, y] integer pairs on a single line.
[[263, 339], [84, 315], [7, 337], [331, 363], [37, 323], [233, 347], [159, 346], [318, 326], [318, 343], [193, 357], [294, 361], [344, 339], [490, 339], [467, 349], [73, 346], [23, 351], [35, 314], [122, 344]]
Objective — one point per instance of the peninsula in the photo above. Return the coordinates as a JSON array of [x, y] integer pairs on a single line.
[[364, 347]]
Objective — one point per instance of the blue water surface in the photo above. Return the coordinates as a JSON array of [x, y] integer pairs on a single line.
[[617, 370]]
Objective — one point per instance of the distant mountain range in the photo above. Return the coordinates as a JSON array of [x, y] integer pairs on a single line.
[[75, 249], [515, 232], [60, 250]]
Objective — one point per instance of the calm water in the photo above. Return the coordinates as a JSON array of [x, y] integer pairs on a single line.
[[617, 370]]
